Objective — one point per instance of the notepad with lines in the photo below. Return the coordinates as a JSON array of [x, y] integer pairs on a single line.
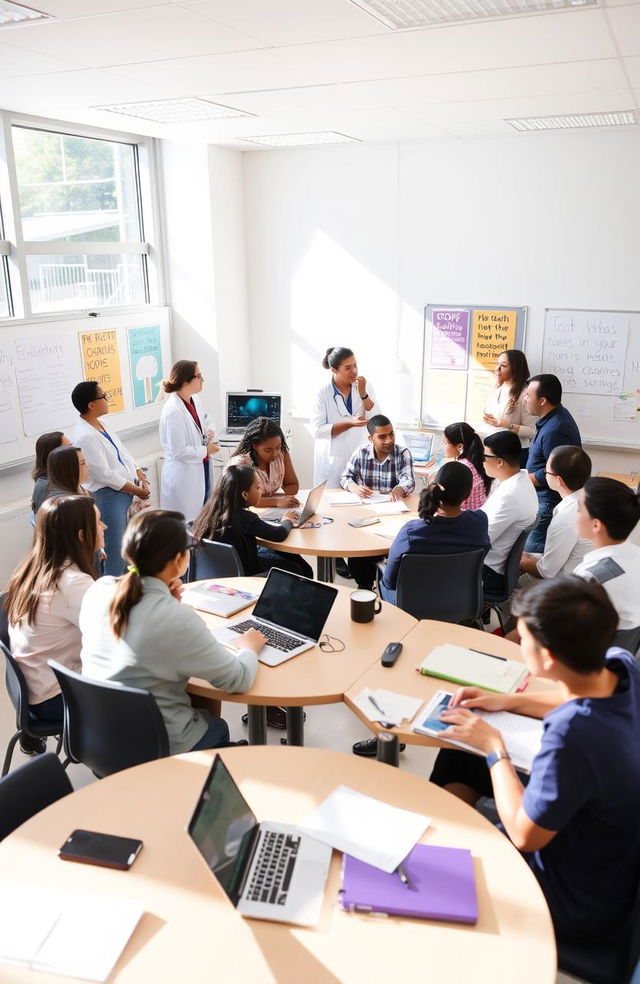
[[472, 668]]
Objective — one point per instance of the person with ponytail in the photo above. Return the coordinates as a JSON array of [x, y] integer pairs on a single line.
[[444, 527], [461, 442], [505, 408], [44, 597], [136, 632]]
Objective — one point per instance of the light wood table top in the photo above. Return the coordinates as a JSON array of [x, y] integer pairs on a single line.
[[404, 679], [338, 539], [632, 479], [314, 677], [189, 930]]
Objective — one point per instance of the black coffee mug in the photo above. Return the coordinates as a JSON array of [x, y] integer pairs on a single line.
[[364, 605]]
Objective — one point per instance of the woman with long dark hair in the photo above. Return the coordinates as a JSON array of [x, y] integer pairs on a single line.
[[506, 409], [227, 518], [67, 472], [263, 447], [44, 597], [136, 632], [44, 446], [461, 442]]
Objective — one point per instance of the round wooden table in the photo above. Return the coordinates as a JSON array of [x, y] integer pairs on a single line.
[[190, 931], [313, 677], [338, 539]]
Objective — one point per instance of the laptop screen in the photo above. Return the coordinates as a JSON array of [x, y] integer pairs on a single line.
[[222, 826], [295, 603], [242, 408]]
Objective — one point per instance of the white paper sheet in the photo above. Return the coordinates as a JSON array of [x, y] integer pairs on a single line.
[[395, 707], [388, 508], [366, 828]]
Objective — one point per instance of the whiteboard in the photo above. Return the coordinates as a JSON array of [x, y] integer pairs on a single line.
[[41, 362], [596, 356]]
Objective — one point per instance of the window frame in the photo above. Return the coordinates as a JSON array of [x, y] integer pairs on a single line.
[[14, 250]]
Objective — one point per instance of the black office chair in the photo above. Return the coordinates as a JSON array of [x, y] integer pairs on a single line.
[[213, 559], [614, 962], [445, 587], [511, 575], [19, 697], [29, 788], [628, 639], [107, 726]]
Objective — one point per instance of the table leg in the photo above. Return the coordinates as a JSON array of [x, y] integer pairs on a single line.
[[295, 726], [327, 569], [388, 750], [257, 724]]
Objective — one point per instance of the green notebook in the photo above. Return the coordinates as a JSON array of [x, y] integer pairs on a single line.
[[472, 668]]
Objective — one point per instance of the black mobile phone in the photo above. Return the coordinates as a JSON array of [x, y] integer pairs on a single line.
[[107, 850], [365, 521]]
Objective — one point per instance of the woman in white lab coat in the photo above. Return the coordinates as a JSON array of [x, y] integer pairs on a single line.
[[187, 440], [340, 414]]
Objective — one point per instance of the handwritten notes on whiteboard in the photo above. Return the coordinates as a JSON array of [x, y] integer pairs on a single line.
[[8, 410], [586, 350], [47, 369]]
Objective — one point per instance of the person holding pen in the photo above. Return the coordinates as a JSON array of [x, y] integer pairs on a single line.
[[576, 820]]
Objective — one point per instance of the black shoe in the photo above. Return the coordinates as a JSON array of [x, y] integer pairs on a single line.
[[342, 568], [236, 744], [32, 746], [368, 747]]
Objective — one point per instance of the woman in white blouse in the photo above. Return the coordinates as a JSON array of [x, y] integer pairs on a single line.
[[505, 408], [113, 476]]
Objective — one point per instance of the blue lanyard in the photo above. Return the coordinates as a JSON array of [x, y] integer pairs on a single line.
[[111, 441]]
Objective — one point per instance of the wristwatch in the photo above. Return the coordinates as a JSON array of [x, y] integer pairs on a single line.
[[365, 397], [494, 757]]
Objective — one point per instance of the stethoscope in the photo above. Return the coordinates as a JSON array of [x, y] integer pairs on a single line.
[[342, 407]]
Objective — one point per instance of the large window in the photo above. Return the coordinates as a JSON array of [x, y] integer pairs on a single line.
[[77, 203]]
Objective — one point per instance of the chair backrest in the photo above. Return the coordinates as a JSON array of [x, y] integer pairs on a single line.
[[16, 688], [628, 639], [4, 622], [107, 726], [213, 559], [446, 587], [29, 788], [511, 568]]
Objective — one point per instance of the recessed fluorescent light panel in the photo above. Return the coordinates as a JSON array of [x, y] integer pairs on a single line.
[[15, 13], [300, 139], [186, 110], [406, 14], [623, 118]]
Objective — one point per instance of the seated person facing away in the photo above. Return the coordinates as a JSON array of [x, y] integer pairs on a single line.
[[511, 507], [67, 472], [44, 597], [576, 820], [264, 448], [460, 442], [380, 466], [568, 468], [136, 632], [44, 446], [444, 526], [227, 518], [608, 512]]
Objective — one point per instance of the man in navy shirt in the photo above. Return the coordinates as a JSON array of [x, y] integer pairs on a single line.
[[555, 426], [577, 819]]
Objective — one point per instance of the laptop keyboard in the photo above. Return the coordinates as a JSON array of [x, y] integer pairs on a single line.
[[279, 640], [272, 874], [235, 430]]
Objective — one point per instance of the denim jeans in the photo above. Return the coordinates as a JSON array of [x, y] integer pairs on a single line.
[[217, 733], [113, 507], [48, 710], [538, 536], [387, 594]]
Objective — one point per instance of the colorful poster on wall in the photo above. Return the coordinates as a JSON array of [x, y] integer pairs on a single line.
[[47, 369], [449, 339], [101, 361], [145, 360], [8, 410], [445, 396], [493, 332], [480, 385]]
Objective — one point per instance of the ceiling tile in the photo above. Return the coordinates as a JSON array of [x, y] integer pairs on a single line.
[[85, 8], [625, 24], [15, 62], [131, 36], [52, 94], [632, 66], [496, 109]]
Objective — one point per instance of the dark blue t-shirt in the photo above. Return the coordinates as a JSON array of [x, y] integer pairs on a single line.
[[440, 535], [555, 428], [585, 784]]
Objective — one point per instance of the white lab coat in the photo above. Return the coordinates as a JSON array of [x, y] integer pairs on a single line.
[[331, 454], [182, 474]]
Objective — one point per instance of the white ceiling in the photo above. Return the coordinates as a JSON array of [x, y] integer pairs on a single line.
[[302, 65]]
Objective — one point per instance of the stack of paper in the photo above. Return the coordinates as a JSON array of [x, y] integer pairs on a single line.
[[389, 528], [391, 707], [386, 508], [343, 498]]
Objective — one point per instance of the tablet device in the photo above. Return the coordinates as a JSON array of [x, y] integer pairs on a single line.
[[107, 850]]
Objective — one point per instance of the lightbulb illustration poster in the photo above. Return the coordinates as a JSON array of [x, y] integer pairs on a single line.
[[145, 361]]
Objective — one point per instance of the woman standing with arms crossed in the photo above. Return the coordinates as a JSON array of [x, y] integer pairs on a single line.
[[187, 440], [113, 476], [505, 409]]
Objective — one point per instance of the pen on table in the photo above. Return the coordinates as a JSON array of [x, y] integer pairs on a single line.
[[492, 655], [375, 704], [402, 875]]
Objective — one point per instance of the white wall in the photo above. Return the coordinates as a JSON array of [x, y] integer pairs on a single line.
[[347, 244]]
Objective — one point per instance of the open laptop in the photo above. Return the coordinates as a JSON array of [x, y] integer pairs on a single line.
[[243, 408], [309, 509], [268, 870], [291, 611]]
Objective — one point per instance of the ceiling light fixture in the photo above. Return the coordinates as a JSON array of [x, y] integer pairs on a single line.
[[12, 14], [401, 15], [301, 139], [572, 121], [187, 110]]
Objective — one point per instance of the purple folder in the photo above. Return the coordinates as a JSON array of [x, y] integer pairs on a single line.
[[442, 877]]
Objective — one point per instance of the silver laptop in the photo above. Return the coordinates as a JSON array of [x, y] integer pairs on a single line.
[[291, 611], [309, 509], [243, 408], [267, 870]]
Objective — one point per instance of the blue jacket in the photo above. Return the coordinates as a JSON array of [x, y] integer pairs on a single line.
[[555, 428], [441, 535]]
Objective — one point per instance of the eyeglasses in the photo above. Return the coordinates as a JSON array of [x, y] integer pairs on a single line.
[[103, 396], [553, 474], [485, 456], [198, 375]]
